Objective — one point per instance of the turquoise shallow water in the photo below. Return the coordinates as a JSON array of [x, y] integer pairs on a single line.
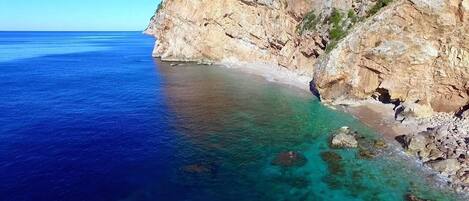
[[243, 122], [90, 116]]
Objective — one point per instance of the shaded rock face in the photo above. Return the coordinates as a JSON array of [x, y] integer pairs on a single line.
[[230, 31], [417, 50], [254, 31]]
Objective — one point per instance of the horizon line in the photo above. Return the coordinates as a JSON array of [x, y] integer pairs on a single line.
[[71, 31]]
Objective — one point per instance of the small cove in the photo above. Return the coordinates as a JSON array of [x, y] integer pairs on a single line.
[[278, 118]]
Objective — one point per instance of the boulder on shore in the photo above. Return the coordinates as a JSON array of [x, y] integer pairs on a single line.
[[445, 167], [444, 149]]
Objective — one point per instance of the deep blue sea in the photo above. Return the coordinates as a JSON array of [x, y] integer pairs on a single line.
[[91, 116]]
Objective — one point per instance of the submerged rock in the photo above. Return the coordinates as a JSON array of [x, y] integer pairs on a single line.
[[366, 154], [333, 161], [330, 156], [290, 159], [196, 168], [203, 168], [344, 139], [370, 148], [380, 144], [411, 197]]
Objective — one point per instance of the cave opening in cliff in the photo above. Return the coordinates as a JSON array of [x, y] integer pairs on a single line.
[[383, 96]]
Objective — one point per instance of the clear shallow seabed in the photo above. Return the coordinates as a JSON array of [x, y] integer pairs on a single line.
[[92, 117]]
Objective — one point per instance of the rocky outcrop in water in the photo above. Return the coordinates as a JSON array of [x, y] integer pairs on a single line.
[[344, 138]]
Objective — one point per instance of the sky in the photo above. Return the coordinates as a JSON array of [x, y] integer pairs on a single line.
[[76, 15]]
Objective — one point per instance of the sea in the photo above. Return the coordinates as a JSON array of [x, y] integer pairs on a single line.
[[91, 116]]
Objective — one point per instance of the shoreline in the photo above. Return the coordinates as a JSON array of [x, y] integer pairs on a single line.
[[380, 117], [271, 73], [374, 114]]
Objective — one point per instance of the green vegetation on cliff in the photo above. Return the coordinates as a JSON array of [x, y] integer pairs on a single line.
[[340, 25], [338, 31], [339, 28], [159, 7], [309, 23], [380, 4], [353, 16]]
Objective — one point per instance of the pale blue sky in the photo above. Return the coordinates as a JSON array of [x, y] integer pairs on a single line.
[[76, 15]]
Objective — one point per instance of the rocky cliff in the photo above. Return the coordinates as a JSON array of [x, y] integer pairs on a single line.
[[278, 32], [413, 51]]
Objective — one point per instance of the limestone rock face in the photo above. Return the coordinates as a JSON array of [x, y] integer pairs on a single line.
[[254, 31], [237, 30], [417, 51]]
